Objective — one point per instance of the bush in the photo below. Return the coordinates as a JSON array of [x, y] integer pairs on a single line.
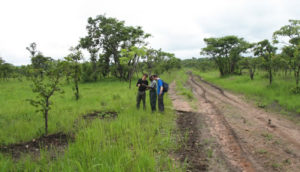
[[295, 90]]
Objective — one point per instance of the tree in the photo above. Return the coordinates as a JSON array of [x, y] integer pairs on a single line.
[[38, 61], [32, 49], [6, 69], [250, 64], [41, 63], [150, 61], [74, 65], [288, 54], [203, 64], [225, 51], [1, 61], [130, 58], [46, 87], [280, 63], [292, 48], [172, 63], [108, 36], [297, 68], [267, 51]]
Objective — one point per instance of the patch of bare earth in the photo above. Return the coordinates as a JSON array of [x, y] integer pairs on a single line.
[[249, 138], [228, 133], [101, 115], [198, 149], [53, 143]]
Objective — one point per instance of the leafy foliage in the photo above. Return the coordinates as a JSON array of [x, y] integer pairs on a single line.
[[292, 48], [225, 51], [267, 51], [106, 37], [75, 68], [45, 87]]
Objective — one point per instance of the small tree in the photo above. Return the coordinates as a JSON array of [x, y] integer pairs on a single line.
[[267, 51], [292, 33], [225, 51], [46, 87], [74, 65], [32, 49], [38, 61], [250, 64], [297, 68], [130, 59]]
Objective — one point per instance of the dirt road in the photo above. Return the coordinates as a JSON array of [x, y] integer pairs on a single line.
[[227, 133]]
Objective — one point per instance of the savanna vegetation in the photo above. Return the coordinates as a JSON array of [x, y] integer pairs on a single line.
[[51, 96], [267, 71]]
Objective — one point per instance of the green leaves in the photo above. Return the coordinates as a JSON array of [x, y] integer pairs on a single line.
[[45, 86], [291, 31], [130, 57], [225, 51], [264, 49]]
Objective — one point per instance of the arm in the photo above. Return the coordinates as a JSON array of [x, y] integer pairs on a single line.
[[150, 86], [161, 88], [138, 84]]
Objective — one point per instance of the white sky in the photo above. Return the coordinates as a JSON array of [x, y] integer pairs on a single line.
[[177, 26]]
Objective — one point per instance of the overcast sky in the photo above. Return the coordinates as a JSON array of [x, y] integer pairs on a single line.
[[177, 26]]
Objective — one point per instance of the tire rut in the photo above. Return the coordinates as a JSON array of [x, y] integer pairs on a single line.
[[277, 127], [229, 142], [265, 140]]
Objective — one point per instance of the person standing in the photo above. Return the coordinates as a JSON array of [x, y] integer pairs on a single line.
[[152, 92], [141, 95], [160, 93]]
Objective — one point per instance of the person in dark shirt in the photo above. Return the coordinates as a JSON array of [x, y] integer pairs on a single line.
[[141, 95], [152, 93]]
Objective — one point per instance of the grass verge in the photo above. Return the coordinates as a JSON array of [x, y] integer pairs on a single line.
[[136, 140], [276, 96]]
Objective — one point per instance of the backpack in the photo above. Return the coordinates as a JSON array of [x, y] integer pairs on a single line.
[[165, 86]]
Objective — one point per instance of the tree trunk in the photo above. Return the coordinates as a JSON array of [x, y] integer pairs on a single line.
[[76, 90], [270, 75], [46, 116], [251, 73], [76, 79], [297, 77], [285, 72], [131, 72], [221, 72], [130, 83]]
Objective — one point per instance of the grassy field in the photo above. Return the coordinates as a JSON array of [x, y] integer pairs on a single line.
[[259, 89], [181, 78], [136, 140]]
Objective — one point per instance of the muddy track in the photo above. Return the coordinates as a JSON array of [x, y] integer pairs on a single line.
[[272, 122], [191, 150], [212, 85], [227, 138], [241, 136]]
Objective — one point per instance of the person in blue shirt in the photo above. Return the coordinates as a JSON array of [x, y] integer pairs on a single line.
[[160, 93]]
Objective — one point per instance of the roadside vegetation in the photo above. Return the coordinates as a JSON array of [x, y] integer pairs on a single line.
[[267, 71], [277, 96], [134, 141], [76, 97]]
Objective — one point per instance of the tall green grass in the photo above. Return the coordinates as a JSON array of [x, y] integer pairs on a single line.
[[259, 88], [136, 140], [180, 77]]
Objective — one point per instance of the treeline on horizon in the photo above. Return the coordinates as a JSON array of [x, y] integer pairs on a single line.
[[227, 54], [117, 50]]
